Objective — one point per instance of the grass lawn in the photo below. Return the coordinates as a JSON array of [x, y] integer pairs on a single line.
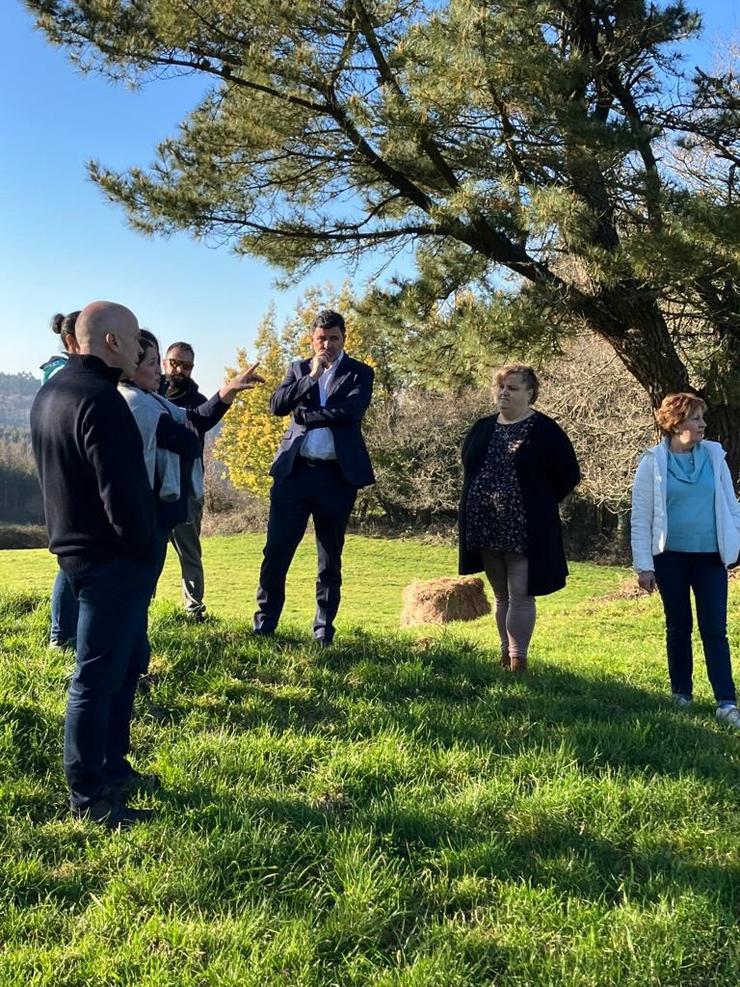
[[393, 811]]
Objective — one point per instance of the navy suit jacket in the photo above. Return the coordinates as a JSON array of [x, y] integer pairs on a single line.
[[347, 401]]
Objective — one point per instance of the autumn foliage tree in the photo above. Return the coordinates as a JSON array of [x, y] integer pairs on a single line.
[[250, 433], [519, 149]]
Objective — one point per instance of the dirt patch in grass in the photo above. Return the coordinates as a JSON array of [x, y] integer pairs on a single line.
[[627, 590]]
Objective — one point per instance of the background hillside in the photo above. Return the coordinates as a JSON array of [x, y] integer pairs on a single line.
[[20, 498], [17, 392]]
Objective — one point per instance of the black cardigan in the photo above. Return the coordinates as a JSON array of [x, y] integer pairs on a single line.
[[547, 470]]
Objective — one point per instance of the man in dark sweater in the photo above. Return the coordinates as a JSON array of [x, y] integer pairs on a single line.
[[182, 390], [100, 517]]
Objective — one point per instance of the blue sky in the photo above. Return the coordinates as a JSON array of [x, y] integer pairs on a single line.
[[62, 244]]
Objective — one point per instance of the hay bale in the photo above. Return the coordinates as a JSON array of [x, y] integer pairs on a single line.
[[437, 601]]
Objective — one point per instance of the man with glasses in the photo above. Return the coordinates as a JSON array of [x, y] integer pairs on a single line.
[[181, 389]]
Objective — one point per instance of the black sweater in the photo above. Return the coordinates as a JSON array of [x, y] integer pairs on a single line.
[[183, 392], [97, 499]]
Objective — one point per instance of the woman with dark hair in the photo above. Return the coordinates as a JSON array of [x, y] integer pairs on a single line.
[[63, 326], [172, 447], [64, 608], [685, 533], [518, 465]]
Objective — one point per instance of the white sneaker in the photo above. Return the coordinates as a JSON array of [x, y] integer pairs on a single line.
[[729, 715], [680, 701]]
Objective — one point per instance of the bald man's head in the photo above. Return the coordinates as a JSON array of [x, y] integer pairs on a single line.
[[111, 332]]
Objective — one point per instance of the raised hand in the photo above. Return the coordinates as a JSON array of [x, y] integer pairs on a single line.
[[243, 381], [320, 363]]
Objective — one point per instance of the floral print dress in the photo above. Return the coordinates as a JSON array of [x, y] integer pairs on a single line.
[[495, 517]]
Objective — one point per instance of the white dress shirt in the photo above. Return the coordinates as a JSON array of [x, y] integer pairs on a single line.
[[319, 442]]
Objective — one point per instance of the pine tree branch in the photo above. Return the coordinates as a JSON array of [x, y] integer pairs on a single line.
[[428, 145]]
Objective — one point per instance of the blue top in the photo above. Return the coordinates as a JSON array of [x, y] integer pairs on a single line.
[[692, 525], [53, 365]]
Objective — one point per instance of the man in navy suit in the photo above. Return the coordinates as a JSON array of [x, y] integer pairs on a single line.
[[321, 463]]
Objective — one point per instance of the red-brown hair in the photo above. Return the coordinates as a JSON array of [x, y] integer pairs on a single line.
[[675, 409]]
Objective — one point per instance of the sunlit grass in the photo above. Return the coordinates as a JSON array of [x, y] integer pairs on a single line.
[[396, 810]]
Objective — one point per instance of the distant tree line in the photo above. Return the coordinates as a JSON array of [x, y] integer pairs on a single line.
[[20, 496], [17, 392]]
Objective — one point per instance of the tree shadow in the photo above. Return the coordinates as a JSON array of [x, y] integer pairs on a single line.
[[448, 695], [451, 693], [33, 740]]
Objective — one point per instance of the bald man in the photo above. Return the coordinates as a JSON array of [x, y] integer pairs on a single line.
[[100, 517]]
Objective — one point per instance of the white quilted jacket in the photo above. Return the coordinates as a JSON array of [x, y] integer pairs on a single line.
[[649, 521]]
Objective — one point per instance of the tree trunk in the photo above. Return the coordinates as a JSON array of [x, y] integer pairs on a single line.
[[636, 330], [723, 424]]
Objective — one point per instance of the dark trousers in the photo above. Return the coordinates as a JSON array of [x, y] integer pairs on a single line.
[[63, 610], [315, 490], [112, 651], [185, 539], [677, 574]]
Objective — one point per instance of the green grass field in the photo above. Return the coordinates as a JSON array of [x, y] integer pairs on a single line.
[[394, 811]]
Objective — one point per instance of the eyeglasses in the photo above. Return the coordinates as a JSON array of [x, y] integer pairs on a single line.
[[180, 364]]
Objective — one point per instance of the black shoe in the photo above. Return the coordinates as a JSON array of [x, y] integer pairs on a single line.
[[110, 814], [64, 645], [196, 616], [133, 783], [146, 683]]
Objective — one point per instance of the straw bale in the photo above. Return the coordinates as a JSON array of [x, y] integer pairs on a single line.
[[437, 601]]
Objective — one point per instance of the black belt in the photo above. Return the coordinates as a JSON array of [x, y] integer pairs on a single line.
[[319, 462]]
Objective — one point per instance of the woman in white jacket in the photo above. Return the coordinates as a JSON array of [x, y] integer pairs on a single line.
[[685, 532]]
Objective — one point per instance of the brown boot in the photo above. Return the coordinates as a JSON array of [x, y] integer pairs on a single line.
[[505, 660], [517, 664]]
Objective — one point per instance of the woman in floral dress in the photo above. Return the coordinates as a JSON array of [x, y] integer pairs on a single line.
[[518, 465]]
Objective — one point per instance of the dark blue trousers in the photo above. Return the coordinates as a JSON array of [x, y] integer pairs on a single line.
[[677, 574], [112, 651], [64, 610], [316, 490]]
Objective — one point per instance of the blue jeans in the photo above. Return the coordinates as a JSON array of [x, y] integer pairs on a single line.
[[112, 650], [64, 610], [677, 574]]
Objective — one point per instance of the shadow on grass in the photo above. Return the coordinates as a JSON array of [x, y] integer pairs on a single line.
[[32, 740], [19, 603], [450, 693], [446, 695], [551, 854], [453, 697]]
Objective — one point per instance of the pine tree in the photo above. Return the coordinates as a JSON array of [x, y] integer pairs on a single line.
[[523, 138]]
